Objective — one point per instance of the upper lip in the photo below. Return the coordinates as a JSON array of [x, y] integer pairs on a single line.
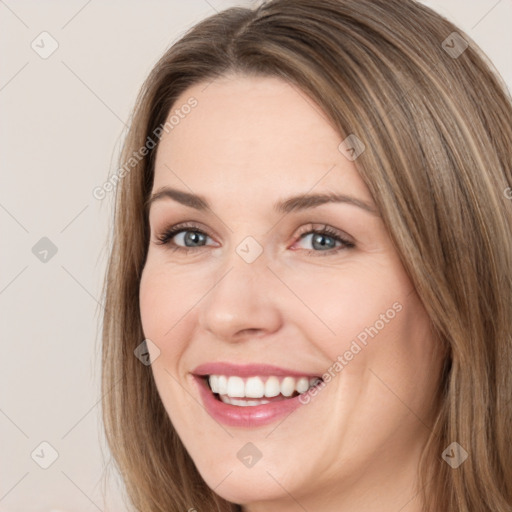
[[247, 370]]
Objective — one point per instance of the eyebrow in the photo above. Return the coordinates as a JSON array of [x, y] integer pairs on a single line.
[[296, 203]]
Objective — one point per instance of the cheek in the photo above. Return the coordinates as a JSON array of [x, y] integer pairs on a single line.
[[160, 311], [163, 308], [153, 303], [338, 306], [165, 296]]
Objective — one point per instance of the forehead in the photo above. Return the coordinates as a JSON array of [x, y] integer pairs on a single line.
[[257, 132]]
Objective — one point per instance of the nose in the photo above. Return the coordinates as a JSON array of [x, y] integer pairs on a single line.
[[243, 302]]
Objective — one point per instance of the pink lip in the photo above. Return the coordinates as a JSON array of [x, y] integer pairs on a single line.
[[247, 417], [247, 370], [251, 416]]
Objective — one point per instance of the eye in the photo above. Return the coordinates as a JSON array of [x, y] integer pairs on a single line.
[[325, 240], [186, 237]]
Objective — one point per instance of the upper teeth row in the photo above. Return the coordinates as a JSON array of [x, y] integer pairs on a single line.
[[257, 387]]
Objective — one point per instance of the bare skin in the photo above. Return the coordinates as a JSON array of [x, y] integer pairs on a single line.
[[251, 142]]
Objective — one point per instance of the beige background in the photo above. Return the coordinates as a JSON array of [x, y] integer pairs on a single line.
[[62, 122]]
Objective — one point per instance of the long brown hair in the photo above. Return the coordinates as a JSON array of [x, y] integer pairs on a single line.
[[436, 122]]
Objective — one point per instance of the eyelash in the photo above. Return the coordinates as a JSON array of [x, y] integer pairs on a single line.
[[166, 237]]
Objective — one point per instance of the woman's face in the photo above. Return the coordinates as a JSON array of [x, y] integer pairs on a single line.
[[267, 292]]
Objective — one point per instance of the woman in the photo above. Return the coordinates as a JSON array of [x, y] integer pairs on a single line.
[[309, 295]]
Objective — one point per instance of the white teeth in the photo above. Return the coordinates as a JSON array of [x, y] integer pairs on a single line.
[[258, 387], [222, 384], [214, 383], [242, 403], [236, 387], [254, 388], [272, 387], [302, 385], [314, 381], [288, 386]]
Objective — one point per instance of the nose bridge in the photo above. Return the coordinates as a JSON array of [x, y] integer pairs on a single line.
[[242, 297]]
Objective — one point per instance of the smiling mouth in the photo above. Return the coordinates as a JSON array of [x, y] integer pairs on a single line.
[[258, 390]]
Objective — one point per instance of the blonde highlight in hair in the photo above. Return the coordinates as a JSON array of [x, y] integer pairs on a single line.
[[438, 137]]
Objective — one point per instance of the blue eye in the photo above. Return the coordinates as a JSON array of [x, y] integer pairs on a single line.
[[324, 241], [321, 241], [189, 236]]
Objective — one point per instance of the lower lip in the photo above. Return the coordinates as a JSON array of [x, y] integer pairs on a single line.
[[251, 416]]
